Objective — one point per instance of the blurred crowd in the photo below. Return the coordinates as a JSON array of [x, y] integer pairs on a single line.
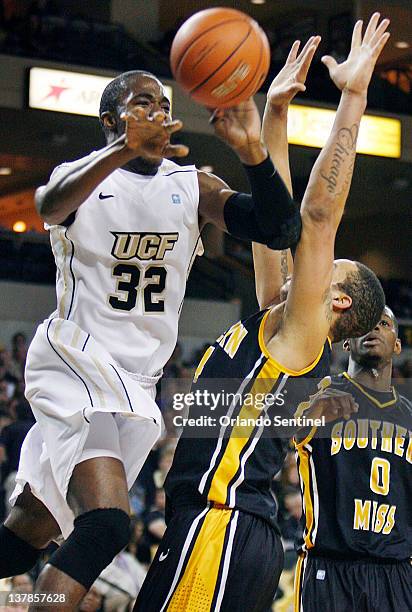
[[16, 417]]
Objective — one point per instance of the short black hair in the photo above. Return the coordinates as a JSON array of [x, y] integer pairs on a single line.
[[116, 89], [368, 302]]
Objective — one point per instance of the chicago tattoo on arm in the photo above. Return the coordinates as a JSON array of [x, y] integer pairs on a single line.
[[345, 148]]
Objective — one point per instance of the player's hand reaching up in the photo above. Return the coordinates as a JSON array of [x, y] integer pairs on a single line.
[[291, 79], [355, 73], [240, 128], [148, 135], [332, 404]]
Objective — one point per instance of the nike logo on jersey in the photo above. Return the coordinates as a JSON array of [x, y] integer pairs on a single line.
[[104, 197], [163, 556]]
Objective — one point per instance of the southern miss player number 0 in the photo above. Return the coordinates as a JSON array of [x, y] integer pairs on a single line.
[[380, 476], [371, 515], [129, 276]]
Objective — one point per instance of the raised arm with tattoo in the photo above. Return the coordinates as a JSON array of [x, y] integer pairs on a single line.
[[305, 323]]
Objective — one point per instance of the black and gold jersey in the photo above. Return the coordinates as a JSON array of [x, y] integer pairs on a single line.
[[356, 479], [233, 464]]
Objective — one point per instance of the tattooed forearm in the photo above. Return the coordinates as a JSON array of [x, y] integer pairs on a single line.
[[284, 265], [345, 149], [348, 178]]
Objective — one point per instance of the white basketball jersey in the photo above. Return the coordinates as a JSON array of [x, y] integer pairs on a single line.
[[123, 263]]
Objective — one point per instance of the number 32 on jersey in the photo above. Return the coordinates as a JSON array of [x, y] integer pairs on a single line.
[[132, 278]]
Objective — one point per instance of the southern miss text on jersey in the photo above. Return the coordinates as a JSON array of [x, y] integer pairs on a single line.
[[356, 479], [123, 261], [235, 468]]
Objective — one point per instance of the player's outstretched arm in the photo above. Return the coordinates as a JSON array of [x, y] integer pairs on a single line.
[[272, 267], [269, 215], [71, 185], [145, 136], [307, 316], [287, 84]]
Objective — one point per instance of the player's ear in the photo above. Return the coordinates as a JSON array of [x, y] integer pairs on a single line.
[[346, 345], [341, 302], [108, 120], [398, 346]]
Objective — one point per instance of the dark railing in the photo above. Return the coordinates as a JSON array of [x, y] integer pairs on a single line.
[[80, 41], [28, 258]]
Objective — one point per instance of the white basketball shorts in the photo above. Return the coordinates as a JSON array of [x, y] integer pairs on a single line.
[[70, 379]]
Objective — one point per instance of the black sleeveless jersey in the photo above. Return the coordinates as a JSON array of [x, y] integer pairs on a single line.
[[356, 479], [234, 461]]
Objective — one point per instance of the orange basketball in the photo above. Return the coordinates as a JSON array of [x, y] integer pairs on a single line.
[[220, 56]]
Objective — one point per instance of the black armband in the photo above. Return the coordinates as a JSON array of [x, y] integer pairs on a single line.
[[272, 200], [269, 215]]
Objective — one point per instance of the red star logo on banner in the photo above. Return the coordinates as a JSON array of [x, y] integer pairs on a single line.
[[55, 92]]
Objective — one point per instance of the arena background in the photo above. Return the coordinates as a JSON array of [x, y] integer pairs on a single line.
[[103, 38]]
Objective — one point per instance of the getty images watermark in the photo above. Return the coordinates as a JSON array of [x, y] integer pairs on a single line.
[[278, 408], [254, 410], [218, 407]]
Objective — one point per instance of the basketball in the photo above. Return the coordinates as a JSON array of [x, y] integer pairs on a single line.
[[220, 57]]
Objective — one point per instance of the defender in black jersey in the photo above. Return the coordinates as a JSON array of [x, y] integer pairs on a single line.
[[221, 550], [356, 480]]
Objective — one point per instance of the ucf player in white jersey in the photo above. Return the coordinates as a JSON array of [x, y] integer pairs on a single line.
[[124, 223]]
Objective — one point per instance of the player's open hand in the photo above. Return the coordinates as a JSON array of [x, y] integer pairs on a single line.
[[148, 135], [355, 73], [239, 127], [291, 79], [332, 404]]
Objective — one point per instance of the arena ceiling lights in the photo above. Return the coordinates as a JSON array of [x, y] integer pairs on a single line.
[[310, 126], [62, 91]]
